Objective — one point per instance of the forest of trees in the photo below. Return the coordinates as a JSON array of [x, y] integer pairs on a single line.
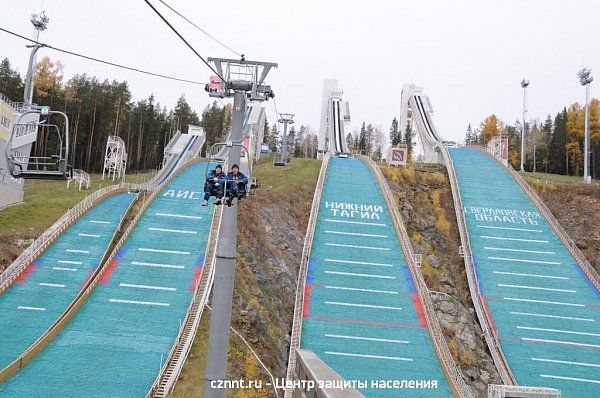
[[97, 109], [554, 145]]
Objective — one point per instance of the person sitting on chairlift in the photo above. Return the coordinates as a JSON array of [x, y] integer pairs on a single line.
[[214, 185], [236, 184]]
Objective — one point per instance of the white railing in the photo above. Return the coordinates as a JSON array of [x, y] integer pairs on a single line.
[[299, 302], [19, 107], [490, 337], [52, 233], [453, 373], [172, 367], [501, 391], [564, 236]]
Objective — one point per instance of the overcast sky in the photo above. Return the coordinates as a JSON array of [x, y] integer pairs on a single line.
[[468, 55]]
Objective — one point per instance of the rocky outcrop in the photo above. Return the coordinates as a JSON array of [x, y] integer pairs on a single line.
[[425, 203]]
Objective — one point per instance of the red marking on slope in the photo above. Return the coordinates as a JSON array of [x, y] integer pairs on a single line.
[[105, 278], [486, 309], [195, 279], [361, 322], [306, 306], [594, 307], [419, 310], [24, 277]]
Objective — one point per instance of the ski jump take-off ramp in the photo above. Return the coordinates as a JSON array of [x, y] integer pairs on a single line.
[[86, 320], [363, 315], [536, 296]]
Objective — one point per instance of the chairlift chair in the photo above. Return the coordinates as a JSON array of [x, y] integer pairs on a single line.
[[212, 158], [53, 166]]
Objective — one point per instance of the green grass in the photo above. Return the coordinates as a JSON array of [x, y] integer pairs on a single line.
[[557, 179], [46, 201], [298, 172], [191, 381]]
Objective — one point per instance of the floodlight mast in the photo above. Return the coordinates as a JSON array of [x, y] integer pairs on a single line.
[[239, 79], [585, 78], [285, 118], [524, 85], [40, 23]]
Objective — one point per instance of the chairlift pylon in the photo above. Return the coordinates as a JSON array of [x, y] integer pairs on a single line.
[[54, 166]]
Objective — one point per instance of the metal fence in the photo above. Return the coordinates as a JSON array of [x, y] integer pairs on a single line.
[[14, 270], [170, 371], [490, 337], [539, 203], [298, 306], [453, 373]]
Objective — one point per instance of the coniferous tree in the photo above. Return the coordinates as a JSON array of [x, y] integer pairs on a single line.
[[557, 152], [395, 135], [470, 137], [408, 140], [11, 84], [362, 141]]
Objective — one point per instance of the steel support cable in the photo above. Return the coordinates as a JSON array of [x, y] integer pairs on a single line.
[[100, 60], [253, 353], [184, 40], [200, 29]]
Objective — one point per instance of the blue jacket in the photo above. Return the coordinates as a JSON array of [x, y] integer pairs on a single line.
[[240, 177], [213, 174]]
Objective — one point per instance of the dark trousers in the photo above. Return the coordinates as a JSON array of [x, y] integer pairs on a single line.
[[236, 189], [212, 190]]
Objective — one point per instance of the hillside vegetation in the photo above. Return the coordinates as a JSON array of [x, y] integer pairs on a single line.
[[425, 203], [272, 225]]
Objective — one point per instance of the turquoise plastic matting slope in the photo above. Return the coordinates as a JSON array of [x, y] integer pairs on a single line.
[[362, 315], [50, 284], [113, 347], [543, 306]]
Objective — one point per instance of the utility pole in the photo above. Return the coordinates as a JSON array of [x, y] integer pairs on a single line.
[[40, 23], [524, 84], [242, 79], [285, 118], [585, 78]]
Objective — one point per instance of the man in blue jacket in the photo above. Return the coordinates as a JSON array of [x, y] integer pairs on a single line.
[[214, 185], [236, 184]]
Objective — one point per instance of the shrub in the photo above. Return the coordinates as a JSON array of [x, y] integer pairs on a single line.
[[467, 359], [453, 346], [409, 173], [443, 225]]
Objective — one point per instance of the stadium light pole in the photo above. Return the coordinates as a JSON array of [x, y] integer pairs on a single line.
[[241, 80], [40, 23], [285, 118], [524, 85], [585, 78]]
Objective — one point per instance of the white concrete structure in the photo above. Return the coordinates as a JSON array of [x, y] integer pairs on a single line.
[[416, 111], [334, 113], [254, 129], [11, 189]]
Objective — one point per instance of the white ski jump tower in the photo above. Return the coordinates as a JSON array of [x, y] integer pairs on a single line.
[[334, 112], [416, 111], [115, 157]]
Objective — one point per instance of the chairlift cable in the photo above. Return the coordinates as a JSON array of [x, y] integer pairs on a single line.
[[200, 29], [184, 40], [101, 60]]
